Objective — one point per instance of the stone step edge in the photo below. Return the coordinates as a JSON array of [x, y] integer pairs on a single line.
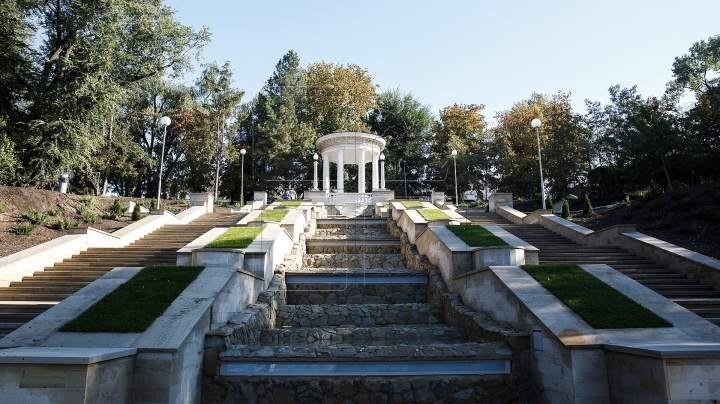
[[412, 352]]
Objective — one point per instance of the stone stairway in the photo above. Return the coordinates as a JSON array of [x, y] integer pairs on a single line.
[[690, 293], [22, 301], [357, 327]]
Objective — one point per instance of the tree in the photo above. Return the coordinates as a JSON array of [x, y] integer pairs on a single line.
[[338, 97], [564, 144], [214, 88], [64, 63], [280, 138], [404, 122], [462, 128]]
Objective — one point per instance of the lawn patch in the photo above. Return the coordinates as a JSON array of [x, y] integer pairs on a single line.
[[413, 204], [292, 204], [236, 237], [273, 215], [593, 300], [433, 214], [476, 236], [135, 304]]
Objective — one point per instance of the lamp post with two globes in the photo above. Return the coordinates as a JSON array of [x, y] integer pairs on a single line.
[[536, 124], [242, 177], [164, 121], [454, 153]]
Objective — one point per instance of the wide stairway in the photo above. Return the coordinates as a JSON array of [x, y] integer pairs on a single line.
[[22, 301], [699, 298], [357, 327]]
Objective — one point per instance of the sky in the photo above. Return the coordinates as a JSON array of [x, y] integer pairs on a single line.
[[466, 52]]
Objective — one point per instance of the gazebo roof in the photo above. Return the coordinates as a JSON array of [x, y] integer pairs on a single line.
[[350, 143]]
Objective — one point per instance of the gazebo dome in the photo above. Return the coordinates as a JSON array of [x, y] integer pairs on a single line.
[[352, 144]]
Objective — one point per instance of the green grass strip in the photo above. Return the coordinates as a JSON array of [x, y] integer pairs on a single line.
[[413, 204], [292, 204], [433, 214], [135, 304], [476, 236], [593, 300], [236, 237], [273, 215]]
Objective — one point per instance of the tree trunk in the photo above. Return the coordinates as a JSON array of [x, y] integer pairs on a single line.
[[667, 176], [106, 174]]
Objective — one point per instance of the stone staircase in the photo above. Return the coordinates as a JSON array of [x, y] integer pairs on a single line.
[[699, 298], [357, 327], [22, 301]]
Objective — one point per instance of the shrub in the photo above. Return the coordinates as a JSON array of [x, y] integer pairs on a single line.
[[566, 211], [115, 211], [88, 201], [153, 203], [136, 214], [36, 217], [89, 217], [677, 195], [64, 223], [626, 214], [53, 212], [548, 203], [706, 214], [3, 206], [662, 223], [657, 206], [684, 204], [688, 227], [654, 215], [25, 229], [587, 207]]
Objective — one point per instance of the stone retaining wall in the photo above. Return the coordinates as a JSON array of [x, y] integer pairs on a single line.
[[359, 315], [362, 336], [387, 261], [351, 232], [430, 389], [356, 293], [353, 247]]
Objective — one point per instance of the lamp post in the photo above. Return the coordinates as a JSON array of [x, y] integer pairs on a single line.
[[382, 170], [454, 153], [536, 124], [242, 177], [315, 181], [164, 121]]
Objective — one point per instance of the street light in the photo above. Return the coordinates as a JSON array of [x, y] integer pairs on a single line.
[[315, 157], [536, 124], [164, 121], [454, 153], [382, 170], [242, 177]]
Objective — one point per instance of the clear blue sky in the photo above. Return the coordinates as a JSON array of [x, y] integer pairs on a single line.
[[481, 52]]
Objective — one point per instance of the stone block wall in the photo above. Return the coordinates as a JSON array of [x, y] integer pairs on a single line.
[[353, 247], [359, 315], [355, 293], [387, 261]]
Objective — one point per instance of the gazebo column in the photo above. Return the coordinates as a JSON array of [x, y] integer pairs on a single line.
[[340, 172], [326, 173], [361, 171], [375, 181]]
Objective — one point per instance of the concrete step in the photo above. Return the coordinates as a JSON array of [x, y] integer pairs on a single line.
[[697, 303], [355, 291], [678, 287], [669, 281], [367, 315], [390, 335], [672, 294], [354, 260], [32, 297]]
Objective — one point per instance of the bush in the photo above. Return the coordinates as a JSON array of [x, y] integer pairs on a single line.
[[662, 223], [36, 217], [688, 227], [657, 206], [115, 211], [136, 214], [3, 206], [89, 217], [684, 204], [548, 203], [88, 201], [25, 229], [53, 212], [153, 203], [706, 214], [64, 223], [626, 214], [587, 207], [566, 211]]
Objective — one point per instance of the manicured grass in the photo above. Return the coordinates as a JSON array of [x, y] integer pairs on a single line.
[[236, 237], [135, 304], [433, 214], [292, 204], [594, 301], [476, 236], [412, 204], [273, 215]]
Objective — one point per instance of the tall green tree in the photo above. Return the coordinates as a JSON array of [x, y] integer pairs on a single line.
[[404, 122], [66, 62], [461, 128], [214, 88], [277, 131]]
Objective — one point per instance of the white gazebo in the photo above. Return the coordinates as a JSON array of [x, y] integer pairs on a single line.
[[351, 148]]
